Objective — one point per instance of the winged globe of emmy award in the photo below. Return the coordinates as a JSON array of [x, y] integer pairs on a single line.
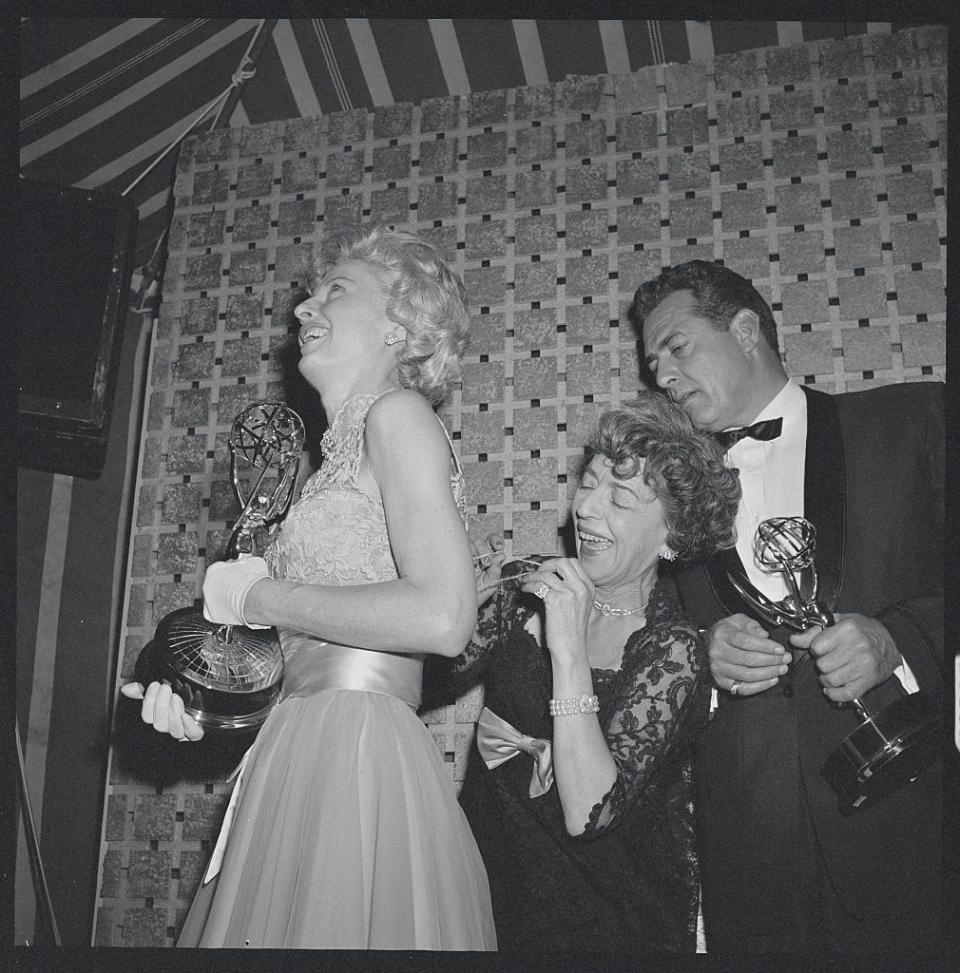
[[889, 748], [229, 675]]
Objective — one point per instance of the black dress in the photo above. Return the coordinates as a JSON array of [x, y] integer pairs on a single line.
[[630, 882]]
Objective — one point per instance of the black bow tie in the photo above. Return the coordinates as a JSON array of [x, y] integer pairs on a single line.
[[765, 430]]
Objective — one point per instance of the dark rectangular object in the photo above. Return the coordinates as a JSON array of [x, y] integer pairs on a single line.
[[74, 263]]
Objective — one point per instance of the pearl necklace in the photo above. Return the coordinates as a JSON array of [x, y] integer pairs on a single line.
[[605, 609]]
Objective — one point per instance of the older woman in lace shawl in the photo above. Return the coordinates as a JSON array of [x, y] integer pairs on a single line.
[[579, 793]]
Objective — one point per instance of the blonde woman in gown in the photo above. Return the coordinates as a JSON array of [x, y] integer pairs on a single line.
[[344, 829]]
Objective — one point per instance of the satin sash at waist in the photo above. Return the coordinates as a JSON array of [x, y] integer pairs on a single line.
[[311, 666]]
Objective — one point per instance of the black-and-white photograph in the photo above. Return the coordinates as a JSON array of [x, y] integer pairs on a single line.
[[481, 490]]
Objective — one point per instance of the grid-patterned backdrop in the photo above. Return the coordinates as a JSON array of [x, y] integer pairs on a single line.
[[817, 170]]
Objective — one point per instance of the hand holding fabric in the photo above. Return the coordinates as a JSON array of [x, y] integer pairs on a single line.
[[742, 659], [567, 594], [226, 586], [488, 558]]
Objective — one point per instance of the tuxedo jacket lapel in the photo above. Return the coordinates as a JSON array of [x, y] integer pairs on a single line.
[[824, 491], [824, 507], [718, 570]]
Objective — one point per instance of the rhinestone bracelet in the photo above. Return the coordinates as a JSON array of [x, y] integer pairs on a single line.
[[574, 706]]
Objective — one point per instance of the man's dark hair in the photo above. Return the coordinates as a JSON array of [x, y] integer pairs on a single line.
[[718, 294]]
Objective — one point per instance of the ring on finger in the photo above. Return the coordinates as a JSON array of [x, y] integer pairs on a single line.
[[541, 590], [734, 687]]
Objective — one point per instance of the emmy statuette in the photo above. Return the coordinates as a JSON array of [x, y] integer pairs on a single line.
[[889, 748], [229, 676]]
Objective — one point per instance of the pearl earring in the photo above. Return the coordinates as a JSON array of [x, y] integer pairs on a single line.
[[391, 338], [668, 553]]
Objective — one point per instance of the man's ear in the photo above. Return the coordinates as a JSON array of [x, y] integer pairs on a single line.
[[745, 327]]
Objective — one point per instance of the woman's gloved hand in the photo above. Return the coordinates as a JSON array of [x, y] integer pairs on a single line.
[[225, 588], [163, 710]]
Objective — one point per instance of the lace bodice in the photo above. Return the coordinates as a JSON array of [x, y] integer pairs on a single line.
[[336, 533], [629, 881], [649, 707]]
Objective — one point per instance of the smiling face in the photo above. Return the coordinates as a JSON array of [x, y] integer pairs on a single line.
[[721, 378], [343, 324], [621, 526]]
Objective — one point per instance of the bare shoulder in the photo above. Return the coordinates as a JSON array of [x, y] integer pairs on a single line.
[[402, 418], [395, 409]]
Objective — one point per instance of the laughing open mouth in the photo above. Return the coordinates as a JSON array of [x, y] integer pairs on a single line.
[[312, 333], [593, 542]]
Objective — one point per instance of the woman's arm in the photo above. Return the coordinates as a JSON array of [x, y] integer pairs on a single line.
[[582, 764], [583, 767], [432, 606], [599, 776], [659, 713]]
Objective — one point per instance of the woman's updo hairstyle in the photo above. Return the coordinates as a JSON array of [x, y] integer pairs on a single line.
[[426, 297]]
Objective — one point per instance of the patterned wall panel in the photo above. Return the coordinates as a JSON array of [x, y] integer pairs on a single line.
[[817, 170]]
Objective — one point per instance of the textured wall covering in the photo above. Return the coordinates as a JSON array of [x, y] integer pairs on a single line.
[[817, 170]]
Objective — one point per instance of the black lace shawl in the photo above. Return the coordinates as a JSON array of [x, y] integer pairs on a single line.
[[630, 881]]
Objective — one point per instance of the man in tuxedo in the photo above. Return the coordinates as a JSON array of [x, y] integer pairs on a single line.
[[782, 868]]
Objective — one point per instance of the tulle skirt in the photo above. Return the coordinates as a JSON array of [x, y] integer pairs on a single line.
[[346, 834]]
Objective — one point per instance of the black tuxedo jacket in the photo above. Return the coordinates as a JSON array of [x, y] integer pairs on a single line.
[[874, 489]]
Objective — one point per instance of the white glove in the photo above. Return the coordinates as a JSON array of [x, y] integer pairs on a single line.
[[225, 589], [163, 710]]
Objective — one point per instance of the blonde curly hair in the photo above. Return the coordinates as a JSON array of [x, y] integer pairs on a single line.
[[427, 298]]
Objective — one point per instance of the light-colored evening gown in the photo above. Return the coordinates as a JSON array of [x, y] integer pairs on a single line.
[[346, 832]]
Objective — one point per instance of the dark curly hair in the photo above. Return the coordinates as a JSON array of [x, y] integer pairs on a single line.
[[718, 294], [683, 466]]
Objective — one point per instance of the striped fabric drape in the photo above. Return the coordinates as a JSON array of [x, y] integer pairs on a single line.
[[100, 98], [71, 541]]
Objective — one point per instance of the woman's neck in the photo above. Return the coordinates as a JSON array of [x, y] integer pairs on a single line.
[[629, 595], [607, 632], [334, 395]]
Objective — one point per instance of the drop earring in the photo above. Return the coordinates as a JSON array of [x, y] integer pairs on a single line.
[[667, 553], [391, 338]]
